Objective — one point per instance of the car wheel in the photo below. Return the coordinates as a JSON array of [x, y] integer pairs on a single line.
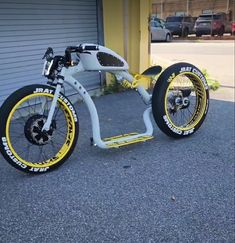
[[168, 37], [221, 31], [185, 32]]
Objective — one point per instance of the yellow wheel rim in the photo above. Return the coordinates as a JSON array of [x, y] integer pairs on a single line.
[[68, 140], [201, 101]]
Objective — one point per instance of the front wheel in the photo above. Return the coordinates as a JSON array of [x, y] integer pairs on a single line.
[[180, 100], [23, 143]]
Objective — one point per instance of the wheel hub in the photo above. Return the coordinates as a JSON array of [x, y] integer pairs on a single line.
[[33, 130], [178, 100]]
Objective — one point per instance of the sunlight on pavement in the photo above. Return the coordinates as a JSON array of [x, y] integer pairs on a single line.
[[216, 58]]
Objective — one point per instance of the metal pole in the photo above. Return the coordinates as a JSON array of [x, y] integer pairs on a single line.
[[227, 6], [126, 27], [161, 9], [187, 11]]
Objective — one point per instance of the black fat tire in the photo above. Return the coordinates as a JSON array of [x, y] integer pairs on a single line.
[[158, 100], [5, 110]]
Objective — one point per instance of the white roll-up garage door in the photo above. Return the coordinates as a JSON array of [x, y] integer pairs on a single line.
[[28, 27]]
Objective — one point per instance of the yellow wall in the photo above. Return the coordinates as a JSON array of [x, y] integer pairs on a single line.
[[126, 31], [145, 10], [113, 25], [133, 56]]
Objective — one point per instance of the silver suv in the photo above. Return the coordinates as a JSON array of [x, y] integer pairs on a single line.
[[180, 25], [212, 24]]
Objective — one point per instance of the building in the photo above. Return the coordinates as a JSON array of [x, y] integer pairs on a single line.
[[28, 27], [164, 8]]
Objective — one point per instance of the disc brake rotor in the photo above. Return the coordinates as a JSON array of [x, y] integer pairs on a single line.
[[33, 130]]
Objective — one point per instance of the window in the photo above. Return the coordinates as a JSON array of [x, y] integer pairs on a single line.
[[210, 16], [174, 19], [180, 13], [156, 24], [207, 11]]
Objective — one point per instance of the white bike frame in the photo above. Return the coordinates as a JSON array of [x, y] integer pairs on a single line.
[[121, 75]]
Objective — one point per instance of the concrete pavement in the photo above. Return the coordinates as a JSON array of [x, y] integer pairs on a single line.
[[215, 56]]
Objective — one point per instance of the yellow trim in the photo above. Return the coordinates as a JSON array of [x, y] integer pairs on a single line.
[[63, 151], [116, 144], [119, 136], [132, 85], [202, 110]]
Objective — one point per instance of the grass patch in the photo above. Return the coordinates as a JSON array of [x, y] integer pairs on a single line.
[[113, 87], [213, 83]]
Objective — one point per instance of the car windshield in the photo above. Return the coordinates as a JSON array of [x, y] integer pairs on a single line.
[[174, 19], [209, 17], [156, 24]]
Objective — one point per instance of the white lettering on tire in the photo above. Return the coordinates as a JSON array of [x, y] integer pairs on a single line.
[[10, 154], [175, 130], [50, 91]]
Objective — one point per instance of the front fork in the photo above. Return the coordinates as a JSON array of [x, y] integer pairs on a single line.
[[47, 125]]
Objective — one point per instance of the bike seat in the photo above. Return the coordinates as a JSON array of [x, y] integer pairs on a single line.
[[152, 71]]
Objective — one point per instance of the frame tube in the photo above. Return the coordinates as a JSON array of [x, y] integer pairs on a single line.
[[68, 73]]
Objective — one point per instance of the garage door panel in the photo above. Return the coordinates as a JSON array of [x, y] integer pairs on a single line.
[[16, 77], [59, 48], [56, 27], [41, 32], [38, 16], [49, 42], [28, 27], [47, 12], [46, 36], [45, 4], [43, 21]]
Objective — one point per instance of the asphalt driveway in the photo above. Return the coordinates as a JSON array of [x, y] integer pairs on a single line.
[[163, 190]]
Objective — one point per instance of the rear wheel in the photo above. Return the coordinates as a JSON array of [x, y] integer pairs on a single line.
[[23, 143], [180, 100], [221, 31], [185, 32]]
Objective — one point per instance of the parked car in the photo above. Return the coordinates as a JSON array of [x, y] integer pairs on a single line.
[[180, 25], [233, 28], [162, 21], [159, 31], [212, 24]]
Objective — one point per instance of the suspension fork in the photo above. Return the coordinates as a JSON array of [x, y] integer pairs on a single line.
[[47, 124]]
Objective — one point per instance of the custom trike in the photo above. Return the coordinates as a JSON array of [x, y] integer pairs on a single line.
[[39, 125]]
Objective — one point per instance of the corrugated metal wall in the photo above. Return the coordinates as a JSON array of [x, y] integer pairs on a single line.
[[28, 27]]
